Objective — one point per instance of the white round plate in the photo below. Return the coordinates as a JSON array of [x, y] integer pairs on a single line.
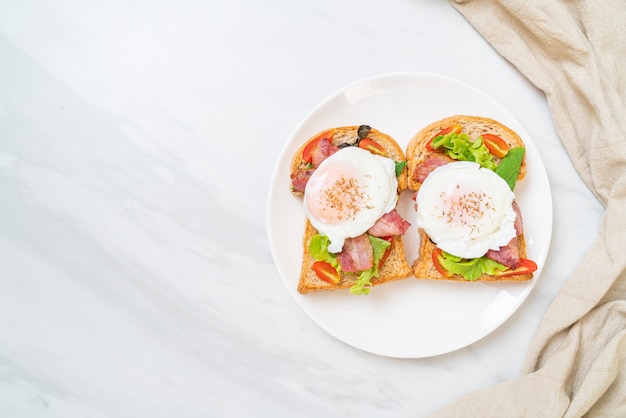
[[409, 318]]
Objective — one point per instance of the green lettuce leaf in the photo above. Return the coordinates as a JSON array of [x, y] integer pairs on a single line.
[[510, 165], [399, 167], [363, 283], [462, 148], [318, 247], [471, 269]]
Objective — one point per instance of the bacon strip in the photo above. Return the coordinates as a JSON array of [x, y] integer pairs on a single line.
[[299, 179], [507, 255], [322, 150], [423, 169], [357, 254], [389, 224]]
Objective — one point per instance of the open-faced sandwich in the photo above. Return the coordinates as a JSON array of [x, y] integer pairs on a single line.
[[349, 179], [463, 170]]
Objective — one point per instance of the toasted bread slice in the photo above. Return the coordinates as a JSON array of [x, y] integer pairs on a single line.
[[349, 134], [474, 126], [394, 268], [417, 152]]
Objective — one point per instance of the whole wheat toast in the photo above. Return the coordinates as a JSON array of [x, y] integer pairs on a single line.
[[417, 152], [396, 266]]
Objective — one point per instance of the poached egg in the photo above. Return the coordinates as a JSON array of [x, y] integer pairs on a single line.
[[466, 209], [348, 192]]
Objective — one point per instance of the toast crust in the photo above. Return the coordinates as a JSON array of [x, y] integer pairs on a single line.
[[396, 266], [348, 134], [474, 126]]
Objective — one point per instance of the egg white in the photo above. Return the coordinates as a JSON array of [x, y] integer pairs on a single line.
[[465, 209], [348, 192]]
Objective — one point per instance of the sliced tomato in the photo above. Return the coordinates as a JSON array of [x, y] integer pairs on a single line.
[[387, 251], [326, 272], [307, 152], [496, 145], [437, 259], [456, 128], [372, 146], [525, 266]]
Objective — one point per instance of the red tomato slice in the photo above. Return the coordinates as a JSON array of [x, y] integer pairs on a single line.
[[496, 145], [525, 266], [326, 272], [437, 257], [456, 128], [307, 152], [372, 146]]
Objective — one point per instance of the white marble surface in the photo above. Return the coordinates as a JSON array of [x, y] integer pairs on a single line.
[[137, 141]]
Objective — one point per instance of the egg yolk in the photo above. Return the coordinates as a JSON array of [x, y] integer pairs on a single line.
[[469, 209], [341, 195]]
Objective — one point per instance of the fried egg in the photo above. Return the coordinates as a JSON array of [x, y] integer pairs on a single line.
[[348, 192], [465, 209]]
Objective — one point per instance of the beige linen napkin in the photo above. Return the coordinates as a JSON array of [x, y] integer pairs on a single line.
[[575, 52]]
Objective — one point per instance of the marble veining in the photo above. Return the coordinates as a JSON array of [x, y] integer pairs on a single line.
[[137, 141]]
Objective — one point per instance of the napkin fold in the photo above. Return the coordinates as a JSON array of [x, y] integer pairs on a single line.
[[575, 52]]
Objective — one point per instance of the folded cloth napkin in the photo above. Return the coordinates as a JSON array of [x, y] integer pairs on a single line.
[[575, 52]]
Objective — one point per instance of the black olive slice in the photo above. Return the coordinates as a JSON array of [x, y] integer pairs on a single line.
[[363, 132]]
